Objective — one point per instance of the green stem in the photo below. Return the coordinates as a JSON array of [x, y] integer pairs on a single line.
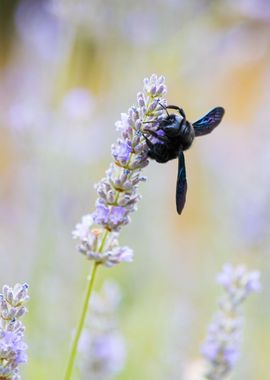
[[81, 322], [103, 242]]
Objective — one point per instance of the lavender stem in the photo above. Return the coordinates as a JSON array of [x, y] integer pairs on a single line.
[[73, 351]]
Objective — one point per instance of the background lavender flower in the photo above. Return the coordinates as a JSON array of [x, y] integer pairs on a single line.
[[102, 347], [12, 346], [118, 190], [221, 348]]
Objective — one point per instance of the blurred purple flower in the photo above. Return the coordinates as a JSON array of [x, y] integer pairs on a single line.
[[258, 9], [212, 350], [12, 347], [253, 282], [238, 281], [40, 29], [222, 344], [77, 104], [82, 229], [102, 346], [231, 355], [109, 352], [225, 277], [209, 350]]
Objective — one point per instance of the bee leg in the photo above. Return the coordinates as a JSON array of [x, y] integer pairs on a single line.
[[157, 136], [150, 122], [148, 142], [157, 151], [152, 148]]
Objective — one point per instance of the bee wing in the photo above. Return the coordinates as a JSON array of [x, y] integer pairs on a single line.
[[210, 121], [181, 184]]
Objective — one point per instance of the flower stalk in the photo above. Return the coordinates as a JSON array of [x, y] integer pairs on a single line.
[[117, 191], [78, 332]]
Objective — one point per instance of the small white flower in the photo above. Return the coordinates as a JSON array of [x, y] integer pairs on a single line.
[[82, 229]]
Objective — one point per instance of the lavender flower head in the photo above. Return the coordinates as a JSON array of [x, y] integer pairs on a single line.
[[12, 347], [102, 346], [221, 348], [118, 190]]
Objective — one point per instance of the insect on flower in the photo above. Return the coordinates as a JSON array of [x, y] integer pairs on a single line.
[[174, 135]]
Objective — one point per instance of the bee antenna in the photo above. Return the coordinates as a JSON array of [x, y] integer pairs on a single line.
[[180, 110], [165, 108]]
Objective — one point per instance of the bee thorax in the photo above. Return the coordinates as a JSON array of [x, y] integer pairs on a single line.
[[187, 135]]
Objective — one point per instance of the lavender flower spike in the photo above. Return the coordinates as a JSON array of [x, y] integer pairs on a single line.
[[12, 347], [117, 191], [221, 348]]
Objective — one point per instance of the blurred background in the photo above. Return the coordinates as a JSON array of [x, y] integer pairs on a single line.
[[67, 71]]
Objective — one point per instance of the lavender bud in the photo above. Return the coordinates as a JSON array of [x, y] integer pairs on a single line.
[[138, 163], [140, 148], [160, 89], [138, 126], [135, 141], [144, 110], [153, 106], [20, 312], [146, 81], [130, 121], [154, 78], [140, 100], [161, 79], [123, 177], [5, 291], [153, 90], [110, 196]]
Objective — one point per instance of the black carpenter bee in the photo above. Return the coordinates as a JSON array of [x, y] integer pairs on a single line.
[[173, 136]]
